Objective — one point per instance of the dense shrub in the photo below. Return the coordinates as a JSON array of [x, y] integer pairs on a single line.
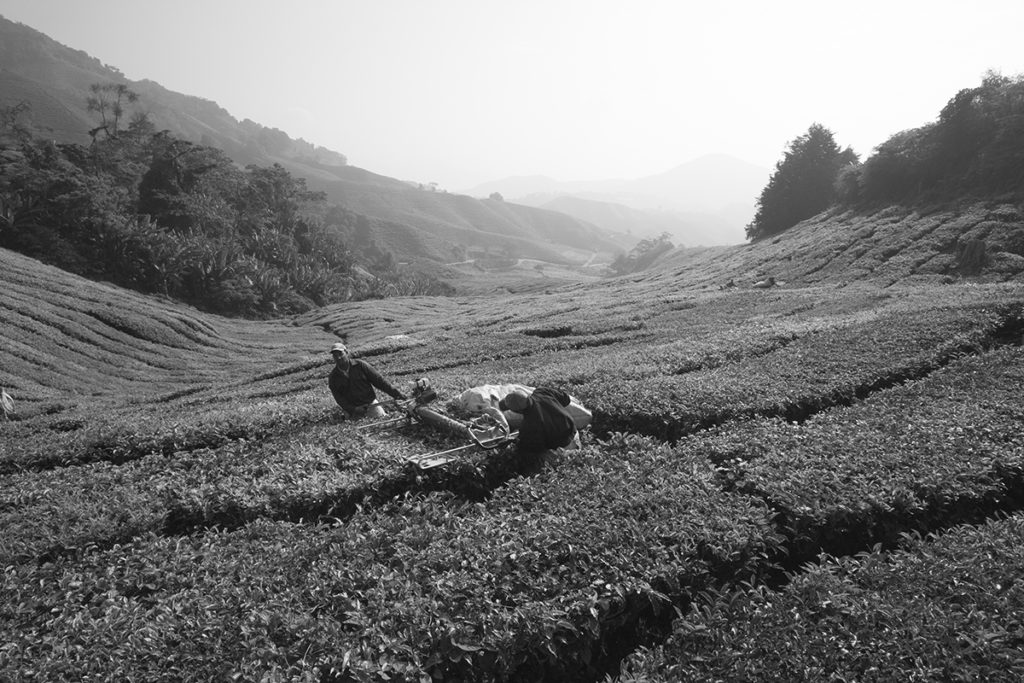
[[934, 452], [803, 184], [975, 148], [530, 585], [945, 608], [792, 378], [158, 214], [495, 568]]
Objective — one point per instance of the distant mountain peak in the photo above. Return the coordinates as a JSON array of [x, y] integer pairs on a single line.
[[711, 198]]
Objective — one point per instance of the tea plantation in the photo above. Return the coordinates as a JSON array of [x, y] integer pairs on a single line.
[[823, 482]]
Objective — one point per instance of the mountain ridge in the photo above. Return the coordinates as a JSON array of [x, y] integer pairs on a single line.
[[705, 201], [55, 79]]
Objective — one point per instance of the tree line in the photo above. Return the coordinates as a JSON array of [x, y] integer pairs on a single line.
[[146, 210], [975, 148]]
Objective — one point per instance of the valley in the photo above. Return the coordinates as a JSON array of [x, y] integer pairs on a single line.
[[805, 462]]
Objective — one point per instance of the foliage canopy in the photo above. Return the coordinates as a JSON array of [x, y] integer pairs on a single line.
[[159, 214], [803, 183], [643, 254], [975, 148]]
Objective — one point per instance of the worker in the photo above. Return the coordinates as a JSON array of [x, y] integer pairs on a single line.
[[352, 384], [6, 405], [546, 423]]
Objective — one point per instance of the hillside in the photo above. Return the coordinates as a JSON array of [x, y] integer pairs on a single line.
[[893, 247], [179, 497], [71, 342], [450, 225], [415, 222], [55, 80], [885, 247]]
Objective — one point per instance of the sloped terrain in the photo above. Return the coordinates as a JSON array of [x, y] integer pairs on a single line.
[[53, 76], [886, 246], [448, 225], [944, 608], [50, 113], [68, 339], [181, 501], [413, 222]]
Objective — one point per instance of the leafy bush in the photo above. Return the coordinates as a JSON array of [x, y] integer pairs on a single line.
[[935, 452], [528, 585], [796, 378], [975, 148], [158, 214], [804, 183], [944, 608], [128, 571]]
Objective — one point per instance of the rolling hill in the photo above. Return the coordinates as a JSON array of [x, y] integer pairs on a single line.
[[180, 498], [890, 247], [447, 226], [414, 221], [885, 246]]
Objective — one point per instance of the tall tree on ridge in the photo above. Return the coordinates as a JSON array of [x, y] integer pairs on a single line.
[[803, 183], [108, 101]]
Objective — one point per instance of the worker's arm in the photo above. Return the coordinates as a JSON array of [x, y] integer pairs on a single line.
[[377, 380]]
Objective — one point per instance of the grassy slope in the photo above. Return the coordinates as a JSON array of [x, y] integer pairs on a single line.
[[894, 245], [888, 246], [211, 422], [68, 339]]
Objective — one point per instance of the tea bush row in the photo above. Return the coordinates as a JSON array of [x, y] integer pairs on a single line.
[[109, 433], [322, 470], [934, 452], [811, 373], [943, 608], [236, 480], [531, 584], [304, 474], [576, 643]]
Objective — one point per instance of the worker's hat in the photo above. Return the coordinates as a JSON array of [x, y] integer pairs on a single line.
[[339, 347]]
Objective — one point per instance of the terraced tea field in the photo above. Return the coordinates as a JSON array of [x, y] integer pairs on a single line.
[[180, 500]]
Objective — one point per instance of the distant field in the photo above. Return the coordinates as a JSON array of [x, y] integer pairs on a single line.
[[490, 276], [180, 500]]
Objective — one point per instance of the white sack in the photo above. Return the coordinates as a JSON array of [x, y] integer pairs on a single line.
[[477, 400]]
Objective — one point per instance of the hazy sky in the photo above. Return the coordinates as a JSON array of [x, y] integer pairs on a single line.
[[464, 91]]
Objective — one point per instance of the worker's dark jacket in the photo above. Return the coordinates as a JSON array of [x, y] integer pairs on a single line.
[[354, 391], [546, 423]]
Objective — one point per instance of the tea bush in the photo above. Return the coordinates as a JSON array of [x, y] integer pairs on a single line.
[[532, 583], [943, 608], [806, 375], [933, 452]]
